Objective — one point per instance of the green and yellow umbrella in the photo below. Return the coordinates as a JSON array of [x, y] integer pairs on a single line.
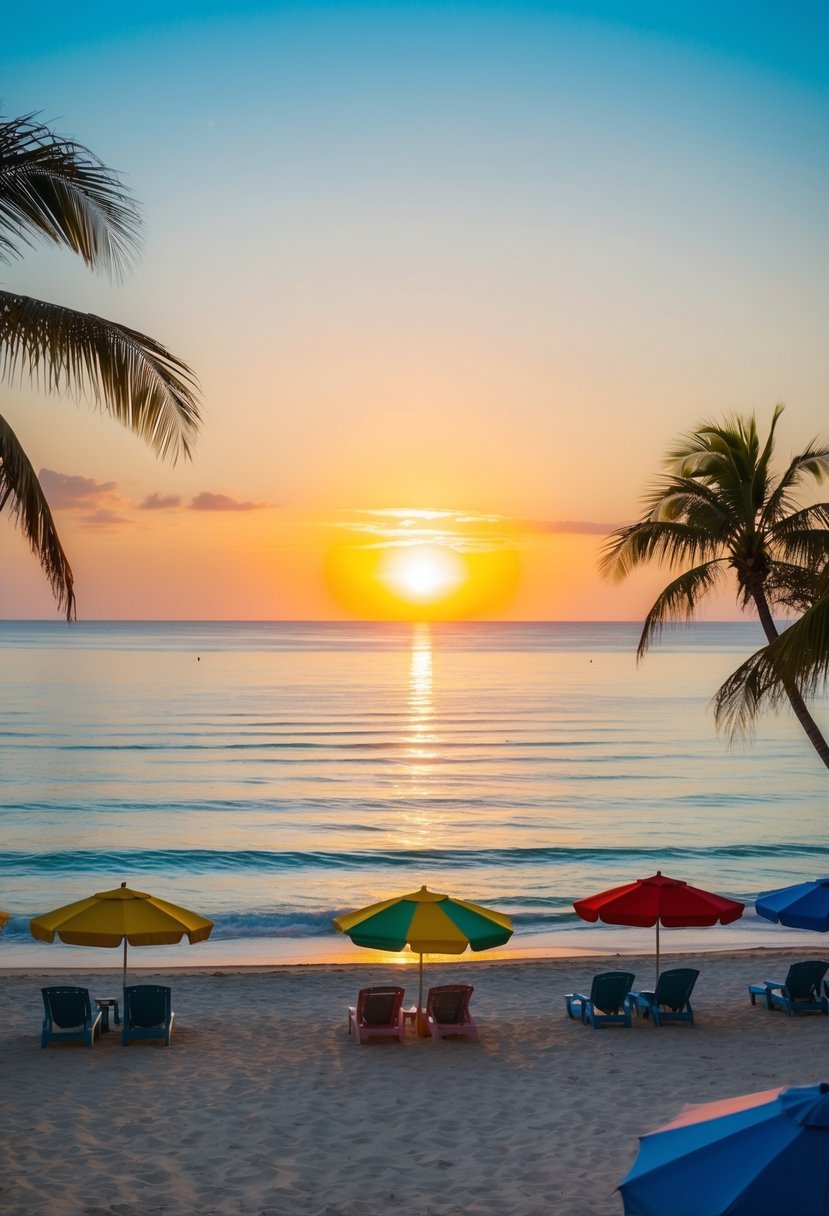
[[428, 923], [123, 915]]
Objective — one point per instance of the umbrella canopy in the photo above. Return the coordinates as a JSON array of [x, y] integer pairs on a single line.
[[659, 900], [4, 918], [759, 1154], [802, 906], [109, 918], [428, 923]]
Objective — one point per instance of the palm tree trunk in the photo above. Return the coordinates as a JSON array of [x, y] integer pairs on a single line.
[[792, 691]]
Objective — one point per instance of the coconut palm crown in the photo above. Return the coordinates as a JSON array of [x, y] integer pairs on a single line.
[[719, 511], [55, 190]]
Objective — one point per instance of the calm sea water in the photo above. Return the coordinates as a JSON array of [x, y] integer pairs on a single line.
[[273, 775]]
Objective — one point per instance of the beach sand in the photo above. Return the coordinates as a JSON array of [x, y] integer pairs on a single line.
[[264, 1105]]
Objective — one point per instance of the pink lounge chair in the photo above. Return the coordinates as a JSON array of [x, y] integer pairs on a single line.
[[447, 1011], [378, 1014]]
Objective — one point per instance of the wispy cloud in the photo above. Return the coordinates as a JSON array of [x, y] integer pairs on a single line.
[[104, 517], [160, 502], [461, 530], [562, 527], [207, 501]]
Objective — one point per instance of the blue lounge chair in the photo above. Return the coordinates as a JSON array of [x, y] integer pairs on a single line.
[[147, 1013], [68, 1016], [607, 1004], [799, 992], [671, 1002]]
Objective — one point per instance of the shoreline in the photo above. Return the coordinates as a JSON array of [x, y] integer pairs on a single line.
[[582, 942], [364, 962]]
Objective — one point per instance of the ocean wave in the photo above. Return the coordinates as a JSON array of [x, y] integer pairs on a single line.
[[218, 860]]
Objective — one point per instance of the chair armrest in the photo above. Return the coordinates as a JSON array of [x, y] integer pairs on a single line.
[[773, 985], [575, 1003]]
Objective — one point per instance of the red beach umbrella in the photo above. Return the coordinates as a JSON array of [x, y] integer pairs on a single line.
[[659, 900]]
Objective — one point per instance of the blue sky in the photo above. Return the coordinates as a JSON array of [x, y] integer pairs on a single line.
[[791, 40]]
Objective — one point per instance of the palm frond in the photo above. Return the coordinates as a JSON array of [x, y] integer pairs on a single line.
[[126, 373], [679, 600], [799, 657], [661, 541], [814, 516], [56, 189], [740, 700], [807, 546], [812, 462], [793, 586], [675, 496], [726, 456], [20, 488]]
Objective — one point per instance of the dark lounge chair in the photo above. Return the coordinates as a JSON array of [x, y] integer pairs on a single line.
[[68, 1016], [147, 1013], [671, 1000], [798, 993], [607, 1004]]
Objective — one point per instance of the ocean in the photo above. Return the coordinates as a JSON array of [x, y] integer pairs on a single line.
[[272, 775]]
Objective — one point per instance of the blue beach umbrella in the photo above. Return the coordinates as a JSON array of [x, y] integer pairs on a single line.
[[802, 906], [757, 1155]]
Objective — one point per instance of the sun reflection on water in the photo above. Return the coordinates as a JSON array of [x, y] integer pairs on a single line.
[[420, 682], [422, 751]]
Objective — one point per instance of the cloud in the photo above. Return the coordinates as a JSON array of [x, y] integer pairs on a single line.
[[71, 492], [461, 530], [104, 518], [159, 502], [206, 501], [558, 527]]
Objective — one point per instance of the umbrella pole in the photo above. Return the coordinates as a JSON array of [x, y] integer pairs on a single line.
[[422, 1028], [124, 983], [657, 949]]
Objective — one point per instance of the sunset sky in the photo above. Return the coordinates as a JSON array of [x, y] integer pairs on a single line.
[[452, 278]]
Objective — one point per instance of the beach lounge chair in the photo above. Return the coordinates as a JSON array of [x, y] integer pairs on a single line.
[[799, 992], [68, 1016], [447, 1011], [378, 1014], [671, 1001], [607, 1004], [147, 1013]]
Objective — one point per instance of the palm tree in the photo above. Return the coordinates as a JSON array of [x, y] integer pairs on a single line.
[[55, 189], [718, 509]]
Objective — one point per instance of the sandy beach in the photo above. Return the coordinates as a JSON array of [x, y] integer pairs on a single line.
[[264, 1105]]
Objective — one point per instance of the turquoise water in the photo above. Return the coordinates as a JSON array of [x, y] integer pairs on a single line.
[[273, 775]]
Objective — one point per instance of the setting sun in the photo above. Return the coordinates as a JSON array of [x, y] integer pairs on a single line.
[[419, 564], [424, 573]]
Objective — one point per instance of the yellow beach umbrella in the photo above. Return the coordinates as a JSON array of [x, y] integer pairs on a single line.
[[428, 923], [111, 917], [4, 917]]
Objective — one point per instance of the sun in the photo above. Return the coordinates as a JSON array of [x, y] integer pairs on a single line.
[[423, 574], [421, 565]]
